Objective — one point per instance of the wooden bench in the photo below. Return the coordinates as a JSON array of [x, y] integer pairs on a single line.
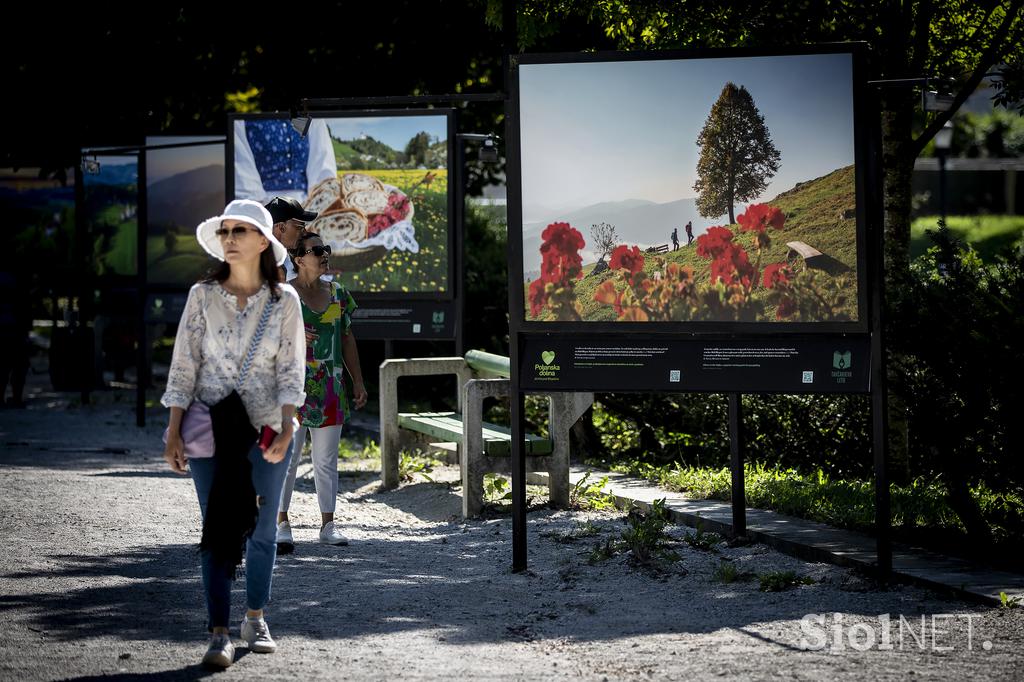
[[663, 248], [481, 447], [801, 249]]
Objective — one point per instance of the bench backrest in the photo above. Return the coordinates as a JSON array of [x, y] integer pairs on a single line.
[[489, 363]]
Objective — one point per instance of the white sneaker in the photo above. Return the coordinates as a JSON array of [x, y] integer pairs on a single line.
[[330, 535], [257, 635], [285, 543], [221, 652]]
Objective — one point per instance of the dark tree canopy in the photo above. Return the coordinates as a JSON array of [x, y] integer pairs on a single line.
[[737, 157]]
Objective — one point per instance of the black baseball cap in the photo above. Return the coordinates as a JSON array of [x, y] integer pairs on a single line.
[[286, 208]]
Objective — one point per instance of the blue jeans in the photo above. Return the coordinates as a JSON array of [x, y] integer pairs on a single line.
[[261, 548]]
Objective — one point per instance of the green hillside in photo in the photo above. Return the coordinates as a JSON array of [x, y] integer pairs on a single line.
[[819, 212]]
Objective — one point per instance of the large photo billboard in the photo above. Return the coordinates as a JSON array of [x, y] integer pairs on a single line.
[[111, 195], [39, 209], [184, 186], [707, 189], [379, 182]]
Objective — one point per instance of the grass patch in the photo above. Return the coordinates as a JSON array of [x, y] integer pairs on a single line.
[[922, 504], [987, 234]]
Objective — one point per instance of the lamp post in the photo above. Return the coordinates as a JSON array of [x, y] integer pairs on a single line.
[[943, 140]]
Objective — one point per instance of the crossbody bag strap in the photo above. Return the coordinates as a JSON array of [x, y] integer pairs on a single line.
[[257, 336]]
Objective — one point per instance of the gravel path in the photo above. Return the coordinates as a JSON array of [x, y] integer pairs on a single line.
[[99, 576]]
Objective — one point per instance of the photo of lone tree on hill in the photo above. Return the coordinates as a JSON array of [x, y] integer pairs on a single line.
[[765, 143], [737, 157]]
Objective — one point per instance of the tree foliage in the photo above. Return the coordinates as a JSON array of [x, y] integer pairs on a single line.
[[737, 157], [603, 238]]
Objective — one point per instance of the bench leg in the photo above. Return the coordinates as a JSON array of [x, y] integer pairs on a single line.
[[471, 458], [564, 410], [390, 439]]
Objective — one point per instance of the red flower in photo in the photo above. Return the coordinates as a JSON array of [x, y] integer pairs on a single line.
[[607, 295], [538, 296], [377, 224], [776, 273], [560, 258], [732, 266], [624, 258], [713, 242], [758, 217], [787, 307]]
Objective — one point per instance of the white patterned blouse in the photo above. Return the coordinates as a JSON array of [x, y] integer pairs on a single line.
[[213, 338]]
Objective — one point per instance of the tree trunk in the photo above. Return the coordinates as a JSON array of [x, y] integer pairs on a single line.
[[584, 440], [898, 168]]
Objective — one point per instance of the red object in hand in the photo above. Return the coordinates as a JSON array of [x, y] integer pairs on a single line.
[[267, 436]]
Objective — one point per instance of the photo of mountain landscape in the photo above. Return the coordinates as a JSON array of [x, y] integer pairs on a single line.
[[715, 189], [184, 186]]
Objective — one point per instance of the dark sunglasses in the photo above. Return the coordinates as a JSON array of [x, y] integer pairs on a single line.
[[235, 232], [318, 251]]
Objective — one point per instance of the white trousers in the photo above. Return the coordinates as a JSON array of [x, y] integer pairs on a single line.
[[324, 452]]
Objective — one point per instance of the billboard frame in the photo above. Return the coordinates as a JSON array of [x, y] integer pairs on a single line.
[[867, 329]]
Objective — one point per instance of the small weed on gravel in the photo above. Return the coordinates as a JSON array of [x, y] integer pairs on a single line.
[[703, 540], [412, 463], [592, 496], [1006, 602], [780, 581], [727, 573], [644, 538]]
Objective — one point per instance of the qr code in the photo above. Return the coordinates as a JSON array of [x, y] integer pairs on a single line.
[[809, 377], [674, 375], [416, 328]]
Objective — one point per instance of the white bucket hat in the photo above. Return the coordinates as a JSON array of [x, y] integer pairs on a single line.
[[248, 211]]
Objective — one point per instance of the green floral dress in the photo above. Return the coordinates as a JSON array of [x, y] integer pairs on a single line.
[[326, 401]]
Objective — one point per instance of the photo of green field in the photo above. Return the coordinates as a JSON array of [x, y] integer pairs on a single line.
[[819, 213], [111, 214]]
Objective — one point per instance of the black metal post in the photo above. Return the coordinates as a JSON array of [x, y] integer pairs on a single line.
[[518, 407], [460, 239], [389, 349], [141, 355], [942, 185], [879, 391], [739, 497]]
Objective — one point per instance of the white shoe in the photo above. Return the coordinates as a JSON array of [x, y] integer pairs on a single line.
[[257, 635], [330, 535], [221, 652], [285, 543]]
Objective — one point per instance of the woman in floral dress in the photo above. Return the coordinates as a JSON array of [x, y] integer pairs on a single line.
[[330, 349]]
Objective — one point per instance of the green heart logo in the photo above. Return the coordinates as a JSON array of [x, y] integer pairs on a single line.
[[547, 356]]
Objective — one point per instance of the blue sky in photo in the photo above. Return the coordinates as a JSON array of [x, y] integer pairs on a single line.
[[163, 163], [610, 131], [394, 131]]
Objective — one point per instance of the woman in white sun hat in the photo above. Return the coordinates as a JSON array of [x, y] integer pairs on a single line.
[[240, 345]]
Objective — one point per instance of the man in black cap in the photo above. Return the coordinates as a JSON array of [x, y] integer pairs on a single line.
[[289, 222]]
